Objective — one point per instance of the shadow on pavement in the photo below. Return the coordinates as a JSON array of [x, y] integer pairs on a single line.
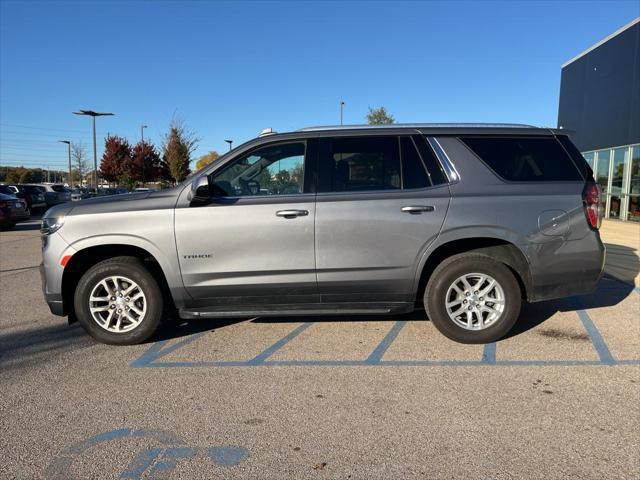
[[31, 347], [622, 262], [177, 328], [610, 292]]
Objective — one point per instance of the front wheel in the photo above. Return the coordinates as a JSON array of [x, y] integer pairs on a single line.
[[472, 298], [118, 302]]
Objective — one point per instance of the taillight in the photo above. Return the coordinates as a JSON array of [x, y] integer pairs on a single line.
[[591, 199]]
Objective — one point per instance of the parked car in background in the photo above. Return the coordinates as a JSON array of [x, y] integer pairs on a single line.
[[465, 220], [54, 194], [111, 191], [78, 194], [12, 210], [29, 193]]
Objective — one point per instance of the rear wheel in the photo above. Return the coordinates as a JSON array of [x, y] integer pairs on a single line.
[[472, 298], [117, 301]]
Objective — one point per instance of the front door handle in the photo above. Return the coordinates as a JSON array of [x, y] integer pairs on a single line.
[[416, 209], [292, 213]]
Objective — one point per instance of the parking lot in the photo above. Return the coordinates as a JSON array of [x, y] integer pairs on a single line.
[[357, 397]]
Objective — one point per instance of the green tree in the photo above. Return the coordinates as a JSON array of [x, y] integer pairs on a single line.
[[28, 176], [379, 116], [206, 159], [179, 144], [14, 175]]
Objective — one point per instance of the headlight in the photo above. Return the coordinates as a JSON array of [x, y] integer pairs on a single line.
[[51, 225]]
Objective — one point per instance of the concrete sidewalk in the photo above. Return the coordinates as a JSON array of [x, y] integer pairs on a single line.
[[622, 240]]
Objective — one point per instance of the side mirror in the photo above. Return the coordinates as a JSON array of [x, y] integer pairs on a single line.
[[200, 191]]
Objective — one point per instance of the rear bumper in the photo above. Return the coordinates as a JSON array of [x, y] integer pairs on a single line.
[[567, 269]]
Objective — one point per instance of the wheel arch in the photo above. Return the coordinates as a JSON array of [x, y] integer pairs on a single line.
[[499, 249], [82, 260]]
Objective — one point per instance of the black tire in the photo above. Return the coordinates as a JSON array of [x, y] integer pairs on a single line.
[[445, 275], [129, 267], [8, 226]]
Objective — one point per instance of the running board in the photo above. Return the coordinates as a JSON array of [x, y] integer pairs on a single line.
[[301, 309]]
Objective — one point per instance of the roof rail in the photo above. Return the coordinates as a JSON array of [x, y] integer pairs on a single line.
[[418, 125]]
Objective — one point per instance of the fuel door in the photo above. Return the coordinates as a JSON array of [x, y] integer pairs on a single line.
[[553, 223]]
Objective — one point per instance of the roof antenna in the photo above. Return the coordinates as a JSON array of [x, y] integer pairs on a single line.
[[267, 131]]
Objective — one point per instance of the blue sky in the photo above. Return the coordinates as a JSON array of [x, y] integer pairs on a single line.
[[229, 69]]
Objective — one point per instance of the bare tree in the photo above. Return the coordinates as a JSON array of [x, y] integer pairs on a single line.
[[79, 155]]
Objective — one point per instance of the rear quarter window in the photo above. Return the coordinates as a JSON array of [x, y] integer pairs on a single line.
[[525, 159], [577, 157]]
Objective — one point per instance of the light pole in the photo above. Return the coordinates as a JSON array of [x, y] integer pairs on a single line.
[[341, 110], [70, 174], [142, 127], [230, 142], [93, 116]]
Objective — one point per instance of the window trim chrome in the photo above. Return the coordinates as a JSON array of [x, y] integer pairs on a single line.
[[449, 168]]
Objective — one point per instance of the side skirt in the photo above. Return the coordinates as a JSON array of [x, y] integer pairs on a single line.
[[297, 309]]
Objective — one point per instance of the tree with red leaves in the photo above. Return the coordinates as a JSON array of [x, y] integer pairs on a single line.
[[145, 162], [116, 158]]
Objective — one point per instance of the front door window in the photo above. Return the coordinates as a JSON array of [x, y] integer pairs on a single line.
[[270, 170]]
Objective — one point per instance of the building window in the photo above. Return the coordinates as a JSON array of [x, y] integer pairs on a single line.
[[619, 167], [589, 157], [633, 210]]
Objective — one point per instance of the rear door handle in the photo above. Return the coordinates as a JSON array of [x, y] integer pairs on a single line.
[[292, 213], [416, 209]]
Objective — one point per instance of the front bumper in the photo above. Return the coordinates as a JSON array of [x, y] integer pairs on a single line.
[[54, 300], [51, 272]]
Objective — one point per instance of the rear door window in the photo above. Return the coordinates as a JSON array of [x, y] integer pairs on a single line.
[[525, 159], [359, 164], [414, 174]]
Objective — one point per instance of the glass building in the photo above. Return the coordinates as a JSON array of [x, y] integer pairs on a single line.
[[600, 102]]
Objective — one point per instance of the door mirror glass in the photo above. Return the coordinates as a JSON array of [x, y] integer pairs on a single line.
[[200, 190]]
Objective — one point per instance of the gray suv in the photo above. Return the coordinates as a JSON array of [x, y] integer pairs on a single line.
[[465, 220]]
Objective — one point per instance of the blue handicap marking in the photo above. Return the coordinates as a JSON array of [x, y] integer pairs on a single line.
[[159, 462], [227, 456], [156, 463], [139, 464], [165, 461]]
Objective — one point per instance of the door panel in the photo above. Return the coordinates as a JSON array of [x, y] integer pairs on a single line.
[[242, 251], [367, 247]]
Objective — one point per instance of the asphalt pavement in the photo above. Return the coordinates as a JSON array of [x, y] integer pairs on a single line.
[[311, 397]]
